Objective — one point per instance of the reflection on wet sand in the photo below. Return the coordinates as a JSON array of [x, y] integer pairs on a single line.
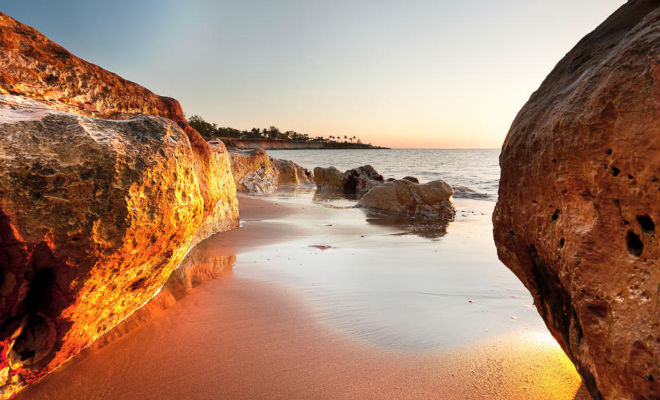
[[425, 228]]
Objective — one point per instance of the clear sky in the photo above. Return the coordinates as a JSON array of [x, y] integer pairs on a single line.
[[443, 74]]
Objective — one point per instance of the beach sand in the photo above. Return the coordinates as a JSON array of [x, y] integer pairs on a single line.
[[251, 336]]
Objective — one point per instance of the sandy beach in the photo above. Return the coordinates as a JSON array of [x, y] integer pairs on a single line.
[[249, 337]]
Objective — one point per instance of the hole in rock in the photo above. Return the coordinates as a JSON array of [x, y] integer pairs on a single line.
[[35, 341], [608, 151], [138, 284], [555, 215], [646, 223], [561, 243], [615, 171], [635, 245]]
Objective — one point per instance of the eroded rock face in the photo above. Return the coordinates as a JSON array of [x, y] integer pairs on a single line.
[[579, 203], [430, 200], [94, 217]]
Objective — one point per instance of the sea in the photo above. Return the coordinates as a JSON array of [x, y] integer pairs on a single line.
[[476, 169]]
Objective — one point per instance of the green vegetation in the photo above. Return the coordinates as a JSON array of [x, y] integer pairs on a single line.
[[209, 131]]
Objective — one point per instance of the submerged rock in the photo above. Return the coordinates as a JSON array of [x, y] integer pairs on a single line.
[[430, 200], [465, 192], [95, 214], [579, 202]]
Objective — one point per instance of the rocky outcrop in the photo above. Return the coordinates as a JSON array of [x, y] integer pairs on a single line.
[[329, 179], [290, 173], [352, 183], [430, 200], [360, 180], [34, 66], [579, 202], [95, 214], [255, 172]]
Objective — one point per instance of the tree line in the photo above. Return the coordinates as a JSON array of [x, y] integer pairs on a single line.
[[210, 130]]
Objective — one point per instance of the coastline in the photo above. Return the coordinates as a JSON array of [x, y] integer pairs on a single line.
[[240, 337], [244, 144]]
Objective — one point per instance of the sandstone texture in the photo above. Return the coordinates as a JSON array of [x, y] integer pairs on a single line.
[[352, 183], [430, 200], [329, 179], [290, 173], [104, 187], [579, 203], [255, 172]]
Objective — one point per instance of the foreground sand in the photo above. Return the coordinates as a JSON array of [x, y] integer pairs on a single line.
[[237, 338]]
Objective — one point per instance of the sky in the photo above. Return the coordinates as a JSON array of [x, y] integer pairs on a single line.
[[404, 74]]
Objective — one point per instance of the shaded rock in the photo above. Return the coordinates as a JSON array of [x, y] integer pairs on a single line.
[[431, 200], [360, 180], [94, 217], [329, 179], [353, 182], [410, 179], [579, 201]]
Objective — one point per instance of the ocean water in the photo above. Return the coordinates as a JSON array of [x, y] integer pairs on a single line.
[[477, 169]]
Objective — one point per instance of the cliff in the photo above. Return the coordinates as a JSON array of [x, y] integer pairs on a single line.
[[104, 188], [579, 200]]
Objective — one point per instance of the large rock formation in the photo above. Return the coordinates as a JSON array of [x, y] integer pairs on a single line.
[[579, 201], [94, 213], [430, 200]]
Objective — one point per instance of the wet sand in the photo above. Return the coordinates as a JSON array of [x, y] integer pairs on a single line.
[[252, 336]]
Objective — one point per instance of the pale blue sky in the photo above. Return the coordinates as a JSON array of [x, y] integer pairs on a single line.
[[397, 73]]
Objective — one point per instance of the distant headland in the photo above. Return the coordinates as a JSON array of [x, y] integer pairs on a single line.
[[272, 138]]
